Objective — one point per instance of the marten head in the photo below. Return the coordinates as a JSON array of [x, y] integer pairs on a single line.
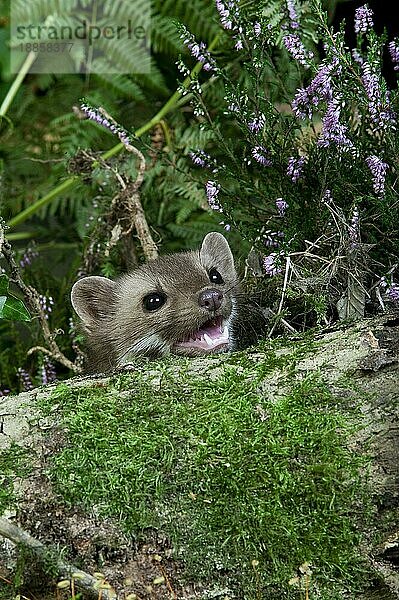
[[180, 303]]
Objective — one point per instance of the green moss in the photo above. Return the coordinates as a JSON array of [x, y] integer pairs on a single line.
[[229, 476], [14, 462]]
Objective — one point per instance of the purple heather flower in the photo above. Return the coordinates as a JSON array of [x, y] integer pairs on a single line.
[[200, 158], [270, 264], [4, 392], [293, 15], [394, 52], [378, 170], [233, 107], [212, 190], [271, 238], [238, 45], [260, 154], [46, 305], [332, 130], [226, 226], [225, 13], [295, 47], [48, 371], [257, 29], [357, 57], [380, 112], [95, 115], [295, 167], [25, 380], [29, 255], [363, 19], [319, 90], [198, 50], [281, 206], [392, 292], [354, 226], [257, 123]]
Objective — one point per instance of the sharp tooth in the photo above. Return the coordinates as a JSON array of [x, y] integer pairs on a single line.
[[208, 339], [226, 332]]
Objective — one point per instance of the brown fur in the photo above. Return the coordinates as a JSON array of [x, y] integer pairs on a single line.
[[116, 324]]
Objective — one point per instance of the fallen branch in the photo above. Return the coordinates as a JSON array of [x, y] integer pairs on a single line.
[[81, 579]]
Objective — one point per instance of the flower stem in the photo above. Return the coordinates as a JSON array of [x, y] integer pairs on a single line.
[[71, 181]]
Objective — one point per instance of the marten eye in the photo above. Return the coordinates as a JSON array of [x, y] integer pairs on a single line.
[[215, 276], [154, 301]]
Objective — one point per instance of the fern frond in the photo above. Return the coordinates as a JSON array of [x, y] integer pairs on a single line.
[[193, 138], [199, 16], [164, 35], [122, 84], [128, 57], [193, 233], [36, 11], [138, 11]]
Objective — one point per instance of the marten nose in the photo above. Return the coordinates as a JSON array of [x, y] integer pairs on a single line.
[[210, 299]]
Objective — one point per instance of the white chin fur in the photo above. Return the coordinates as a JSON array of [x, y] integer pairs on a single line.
[[150, 345]]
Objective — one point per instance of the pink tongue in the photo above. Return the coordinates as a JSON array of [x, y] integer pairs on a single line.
[[207, 338], [213, 331]]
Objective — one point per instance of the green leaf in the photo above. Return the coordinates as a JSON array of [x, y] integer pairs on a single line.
[[3, 284], [13, 309]]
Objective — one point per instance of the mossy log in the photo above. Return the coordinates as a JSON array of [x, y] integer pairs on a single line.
[[104, 468]]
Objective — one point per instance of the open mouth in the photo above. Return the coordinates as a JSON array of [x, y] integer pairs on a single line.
[[212, 335]]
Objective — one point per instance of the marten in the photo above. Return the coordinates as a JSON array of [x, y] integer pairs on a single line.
[[187, 303]]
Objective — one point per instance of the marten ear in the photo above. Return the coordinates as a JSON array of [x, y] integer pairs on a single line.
[[92, 298], [215, 253]]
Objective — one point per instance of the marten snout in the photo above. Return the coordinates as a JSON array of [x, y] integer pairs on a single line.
[[210, 299]]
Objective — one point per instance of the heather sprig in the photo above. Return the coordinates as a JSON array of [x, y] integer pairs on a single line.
[[394, 52], [320, 89], [292, 13], [198, 50], [97, 115], [295, 167], [229, 13], [380, 111], [392, 292], [46, 305], [262, 156], [281, 206], [28, 257], [296, 48], [256, 123], [363, 19], [212, 192], [48, 372], [333, 131], [25, 380], [378, 170], [200, 158], [271, 264]]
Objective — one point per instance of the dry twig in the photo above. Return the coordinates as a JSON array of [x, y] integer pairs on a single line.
[[32, 298], [129, 199]]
